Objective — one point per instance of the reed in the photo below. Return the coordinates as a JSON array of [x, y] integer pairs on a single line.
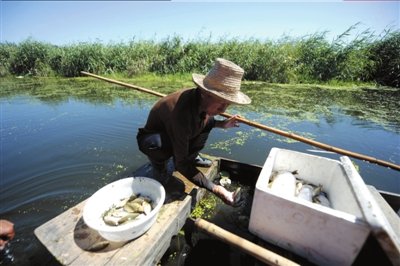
[[308, 59]]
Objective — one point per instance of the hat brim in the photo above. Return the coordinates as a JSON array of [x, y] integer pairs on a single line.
[[238, 98]]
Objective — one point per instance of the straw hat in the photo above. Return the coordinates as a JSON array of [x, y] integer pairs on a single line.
[[223, 81]]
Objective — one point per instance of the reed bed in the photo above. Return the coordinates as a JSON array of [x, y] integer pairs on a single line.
[[308, 59]]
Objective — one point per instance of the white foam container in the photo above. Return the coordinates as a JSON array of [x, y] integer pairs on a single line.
[[104, 198], [325, 236]]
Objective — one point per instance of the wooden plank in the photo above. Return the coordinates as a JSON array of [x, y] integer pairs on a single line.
[[189, 186], [168, 225], [58, 234], [70, 240], [209, 172]]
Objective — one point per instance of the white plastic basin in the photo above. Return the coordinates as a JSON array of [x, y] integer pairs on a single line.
[[104, 198]]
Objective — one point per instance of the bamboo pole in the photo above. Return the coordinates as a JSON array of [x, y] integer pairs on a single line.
[[124, 84], [260, 253], [317, 144], [267, 128]]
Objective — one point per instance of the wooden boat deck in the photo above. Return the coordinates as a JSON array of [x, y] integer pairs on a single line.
[[72, 242]]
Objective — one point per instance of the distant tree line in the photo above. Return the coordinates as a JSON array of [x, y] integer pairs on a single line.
[[308, 59]]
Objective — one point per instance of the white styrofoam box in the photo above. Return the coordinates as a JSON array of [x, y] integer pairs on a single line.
[[325, 236]]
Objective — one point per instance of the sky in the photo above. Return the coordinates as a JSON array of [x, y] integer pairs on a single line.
[[68, 22]]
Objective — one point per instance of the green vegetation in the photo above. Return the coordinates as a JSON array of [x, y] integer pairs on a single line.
[[309, 59], [239, 140], [205, 208], [283, 106], [277, 105]]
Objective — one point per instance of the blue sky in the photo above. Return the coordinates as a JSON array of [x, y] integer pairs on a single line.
[[66, 22]]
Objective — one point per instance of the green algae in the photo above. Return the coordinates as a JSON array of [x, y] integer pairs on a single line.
[[205, 208], [276, 105]]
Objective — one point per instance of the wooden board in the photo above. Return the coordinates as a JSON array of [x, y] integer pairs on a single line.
[[68, 238], [71, 241]]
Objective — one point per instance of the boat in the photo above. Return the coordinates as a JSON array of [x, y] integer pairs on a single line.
[[71, 241]]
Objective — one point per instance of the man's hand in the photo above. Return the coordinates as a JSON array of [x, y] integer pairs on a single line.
[[6, 233], [230, 122]]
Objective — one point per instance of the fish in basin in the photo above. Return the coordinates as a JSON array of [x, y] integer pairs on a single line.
[[128, 209]]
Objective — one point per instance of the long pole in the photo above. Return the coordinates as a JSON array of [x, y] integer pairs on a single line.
[[246, 246], [270, 129]]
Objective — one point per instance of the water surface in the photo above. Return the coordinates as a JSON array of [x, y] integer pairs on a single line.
[[62, 139]]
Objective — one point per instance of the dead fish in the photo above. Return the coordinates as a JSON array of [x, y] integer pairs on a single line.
[[111, 220], [128, 209], [134, 207], [98, 246], [306, 193], [146, 207], [322, 199], [128, 217], [284, 183], [146, 199], [137, 200], [132, 197], [117, 212], [317, 190], [120, 203], [224, 181], [299, 184]]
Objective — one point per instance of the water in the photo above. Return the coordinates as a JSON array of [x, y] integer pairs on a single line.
[[63, 140]]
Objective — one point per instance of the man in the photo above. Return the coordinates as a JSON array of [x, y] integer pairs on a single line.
[[179, 124]]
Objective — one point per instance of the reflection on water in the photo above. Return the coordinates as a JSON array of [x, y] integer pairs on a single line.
[[6, 255], [62, 139], [313, 103]]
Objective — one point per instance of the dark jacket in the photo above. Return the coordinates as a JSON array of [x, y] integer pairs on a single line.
[[178, 117]]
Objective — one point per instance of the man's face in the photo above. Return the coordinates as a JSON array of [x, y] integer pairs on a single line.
[[215, 106]]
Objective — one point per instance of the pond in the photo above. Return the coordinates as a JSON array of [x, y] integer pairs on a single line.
[[62, 139]]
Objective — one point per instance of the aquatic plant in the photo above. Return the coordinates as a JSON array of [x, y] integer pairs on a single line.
[[205, 207], [386, 55], [308, 59]]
